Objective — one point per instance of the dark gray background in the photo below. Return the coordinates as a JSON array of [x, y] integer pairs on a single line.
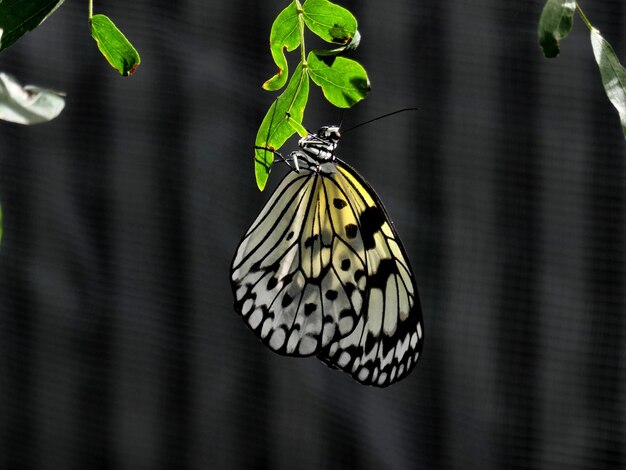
[[119, 345]]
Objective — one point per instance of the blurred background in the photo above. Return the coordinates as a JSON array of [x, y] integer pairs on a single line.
[[119, 345]]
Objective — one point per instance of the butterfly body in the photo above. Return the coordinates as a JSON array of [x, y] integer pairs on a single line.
[[322, 272]]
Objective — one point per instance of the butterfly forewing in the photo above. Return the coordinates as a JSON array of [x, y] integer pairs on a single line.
[[292, 284]]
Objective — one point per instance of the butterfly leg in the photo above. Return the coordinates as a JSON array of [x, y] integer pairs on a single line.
[[291, 161], [293, 156]]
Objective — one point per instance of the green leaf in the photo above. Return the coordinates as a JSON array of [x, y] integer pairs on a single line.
[[17, 17], [329, 21], [343, 81], [114, 46], [281, 121], [285, 35], [613, 74], [29, 104], [555, 24]]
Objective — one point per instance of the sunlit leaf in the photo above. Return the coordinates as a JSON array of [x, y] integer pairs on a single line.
[[613, 74], [285, 35], [17, 17], [329, 21], [344, 81], [114, 46], [555, 24], [283, 119], [29, 104]]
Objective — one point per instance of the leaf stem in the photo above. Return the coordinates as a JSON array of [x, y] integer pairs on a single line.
[[583, 17], [90, 3], [301, 28]]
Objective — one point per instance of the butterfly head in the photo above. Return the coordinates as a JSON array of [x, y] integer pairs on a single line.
[[330, 134]]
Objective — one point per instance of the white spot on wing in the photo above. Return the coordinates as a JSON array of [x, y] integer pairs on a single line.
[[255, 318], [346, 325], [241, 291], [307, 345], [382, 379], [292, 344], [404, 304], [277, 339], [391, 307], [267, 327], [328, 332], [248, 305], [375, 309], [343, 360], [388, 359]]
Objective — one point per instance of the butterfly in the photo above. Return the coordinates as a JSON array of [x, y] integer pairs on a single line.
[[322, 271]]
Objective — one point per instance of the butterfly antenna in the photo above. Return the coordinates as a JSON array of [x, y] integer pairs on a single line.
[[343, 116], [379, 117]]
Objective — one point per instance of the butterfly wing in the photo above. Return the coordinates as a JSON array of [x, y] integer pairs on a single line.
[[291, 281], [323, 271], [387, 341]]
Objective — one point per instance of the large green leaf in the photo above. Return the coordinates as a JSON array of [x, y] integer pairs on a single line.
[[555, 24], [612, 73], [283, 119], [29, 104], [17, 17], [329, 21], [285, 35], [114, 46], [344, 81]]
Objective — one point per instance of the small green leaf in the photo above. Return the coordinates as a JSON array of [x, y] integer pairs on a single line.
[[114, 46], [17, 17], [343, 81], [29, 104], [555, 24], [613, 74], [329, 21], [285, 35], [280, 123]]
